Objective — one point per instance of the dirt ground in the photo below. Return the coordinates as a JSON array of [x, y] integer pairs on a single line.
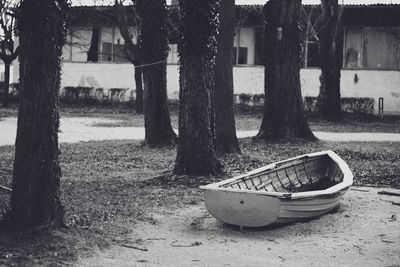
[[125, 208], [364, 231]]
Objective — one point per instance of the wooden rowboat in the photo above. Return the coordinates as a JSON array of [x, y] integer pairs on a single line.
[[286, 191]]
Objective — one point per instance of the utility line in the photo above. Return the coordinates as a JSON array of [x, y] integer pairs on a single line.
[[150, 64]]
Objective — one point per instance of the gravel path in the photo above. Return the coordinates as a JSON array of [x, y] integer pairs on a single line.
[[82, 129]]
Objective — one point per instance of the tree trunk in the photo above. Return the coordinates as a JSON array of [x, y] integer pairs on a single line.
[[132, 51], [195, 153], [6, 84], [93, 53], [328, 101], [139, 90], [225, 131], [283, 116], [154, 47], [35, 197]]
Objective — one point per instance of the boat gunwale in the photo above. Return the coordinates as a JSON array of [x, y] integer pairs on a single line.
[[329, 192]]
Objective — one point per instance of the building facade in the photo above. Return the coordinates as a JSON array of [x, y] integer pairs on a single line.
[[94, 55]]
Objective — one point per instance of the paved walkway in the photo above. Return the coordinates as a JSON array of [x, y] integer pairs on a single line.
[[80, 129]]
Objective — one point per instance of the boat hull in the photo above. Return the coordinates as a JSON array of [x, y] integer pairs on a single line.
[[252, 200], [239, 208], [256, 210], [293, 210]]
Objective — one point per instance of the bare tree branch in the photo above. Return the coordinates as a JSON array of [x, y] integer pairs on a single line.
[[7, 25], [131, 49]]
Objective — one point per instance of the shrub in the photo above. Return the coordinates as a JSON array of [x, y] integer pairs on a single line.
[[363, 105], [244, 98]]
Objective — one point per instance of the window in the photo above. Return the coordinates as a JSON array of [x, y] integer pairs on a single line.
[[87, 44], [78, 44], [81, 45], [245, 40], [119, 51], [112, 45], [313, 58], [241, 57], [106, 47], [352, 52], [381, 48], [372, 48]]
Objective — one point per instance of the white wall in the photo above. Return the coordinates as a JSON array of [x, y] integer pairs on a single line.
[[105, 75], [173, 81], [249, 80], [374, 84], [371, 83], [99, 75], [108, 75]]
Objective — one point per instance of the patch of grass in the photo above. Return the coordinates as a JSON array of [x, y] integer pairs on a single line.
[[355, 123]]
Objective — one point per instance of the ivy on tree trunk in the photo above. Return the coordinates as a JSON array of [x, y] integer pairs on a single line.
[[225, 131], [283, 116], [35, 199], [154, 48], [328, 100], [197, 49]]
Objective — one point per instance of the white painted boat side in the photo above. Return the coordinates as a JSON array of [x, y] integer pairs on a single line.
[[290, 217], [254, 208], [310, 201], [294, 210], [305, 208], [240, 208], [258, 210]]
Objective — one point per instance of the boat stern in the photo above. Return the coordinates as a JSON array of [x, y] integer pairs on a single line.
[[242, 208]]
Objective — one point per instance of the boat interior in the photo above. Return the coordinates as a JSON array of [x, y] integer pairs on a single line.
[[298, 175]]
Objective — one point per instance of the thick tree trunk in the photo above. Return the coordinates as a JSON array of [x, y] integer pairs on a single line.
[[35, 197], [6, 84], [195, 153], [154, 47], [283, 110], [157, 120], [225, 131], [328, 100], [139, 90]]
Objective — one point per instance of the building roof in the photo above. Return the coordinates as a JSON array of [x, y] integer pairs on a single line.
[[253, 2], [317, 2], [354, 15]]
